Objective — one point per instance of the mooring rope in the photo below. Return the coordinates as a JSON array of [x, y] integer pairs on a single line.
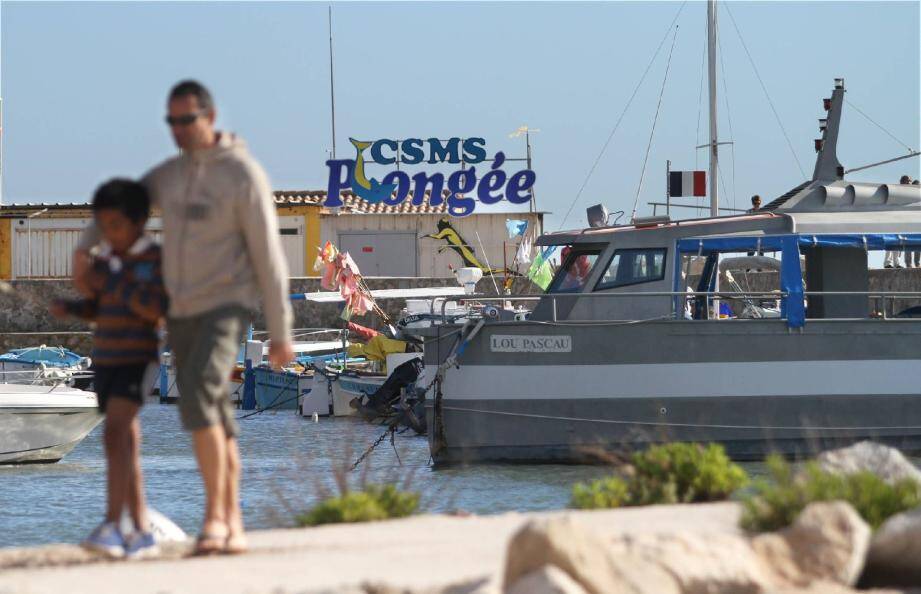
[[664, 424]]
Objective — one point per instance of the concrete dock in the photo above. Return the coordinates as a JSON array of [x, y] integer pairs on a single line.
[[418, 552]]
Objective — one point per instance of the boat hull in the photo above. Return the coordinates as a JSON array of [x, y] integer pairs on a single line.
[[279, 389], [754, 387], [44, 431], [319, 398], [348, 386]]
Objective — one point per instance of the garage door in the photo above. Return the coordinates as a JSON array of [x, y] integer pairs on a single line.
[[381, 254], [292, 242]]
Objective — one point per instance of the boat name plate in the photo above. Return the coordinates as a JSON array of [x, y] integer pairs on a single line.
[[520, 343]]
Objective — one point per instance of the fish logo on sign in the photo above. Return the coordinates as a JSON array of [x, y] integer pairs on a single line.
[[369, 190], [462, 190]]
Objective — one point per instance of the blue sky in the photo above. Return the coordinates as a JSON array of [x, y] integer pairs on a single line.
[[84, 84]]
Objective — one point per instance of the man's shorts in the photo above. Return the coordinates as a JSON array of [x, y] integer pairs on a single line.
[[204, 350], [120, 381]]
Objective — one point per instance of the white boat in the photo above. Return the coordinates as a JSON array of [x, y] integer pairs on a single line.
[[44, 365], [353, 384], [317, 399], [43, 424]]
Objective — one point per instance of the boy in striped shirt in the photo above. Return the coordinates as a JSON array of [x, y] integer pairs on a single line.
[[128, 303]]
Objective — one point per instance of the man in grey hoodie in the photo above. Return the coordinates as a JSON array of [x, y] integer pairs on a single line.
[[221, 247]]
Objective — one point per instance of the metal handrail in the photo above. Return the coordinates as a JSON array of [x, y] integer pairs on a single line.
[[883, 295]]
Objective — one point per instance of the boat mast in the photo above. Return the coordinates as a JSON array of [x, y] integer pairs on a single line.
[[711, 74], [332, 97]]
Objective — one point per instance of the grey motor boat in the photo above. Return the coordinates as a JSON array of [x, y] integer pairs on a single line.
[[633, 343]]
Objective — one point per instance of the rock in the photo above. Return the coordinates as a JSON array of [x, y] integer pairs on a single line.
[[582, 555], [823, 550], [827, 542], [695, 563], [895, 552], [549, 579], [887, 463]]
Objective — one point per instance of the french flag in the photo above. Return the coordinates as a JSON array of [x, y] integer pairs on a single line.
[[687, 183]]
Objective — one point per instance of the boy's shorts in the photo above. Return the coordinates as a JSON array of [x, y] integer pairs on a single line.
[[204, 350], [120, 381]]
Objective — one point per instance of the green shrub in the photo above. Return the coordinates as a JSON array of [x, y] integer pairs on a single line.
[[396, 503], [374, 503], [671, 473], [600, 494], [774, 503]]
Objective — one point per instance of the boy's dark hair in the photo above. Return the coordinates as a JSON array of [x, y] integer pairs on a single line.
[[124, 195], [194, 88]]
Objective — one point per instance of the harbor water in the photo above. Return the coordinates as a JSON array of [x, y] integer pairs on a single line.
[[289, 463]]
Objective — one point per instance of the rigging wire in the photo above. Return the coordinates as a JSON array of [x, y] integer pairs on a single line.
[[655, 119], [621, 117], [719, 171], [729, 118], [891, 135], [764, 88], [700, 102]]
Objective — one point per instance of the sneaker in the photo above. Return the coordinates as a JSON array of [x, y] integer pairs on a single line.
[[141, 545], [106, 539]]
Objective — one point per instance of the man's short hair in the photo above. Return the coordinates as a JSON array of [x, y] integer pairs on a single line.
[[755, 198], [196, 89], [905, 180], [124, 195]]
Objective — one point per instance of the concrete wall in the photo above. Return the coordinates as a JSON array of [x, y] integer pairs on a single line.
[[433, 255], [25, 321]]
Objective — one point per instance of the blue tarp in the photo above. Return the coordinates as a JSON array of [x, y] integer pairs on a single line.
[[791, 274], [50, 356], [770, 243]]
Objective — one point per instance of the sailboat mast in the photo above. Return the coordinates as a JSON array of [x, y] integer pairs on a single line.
[[332, 97], [711, 76]]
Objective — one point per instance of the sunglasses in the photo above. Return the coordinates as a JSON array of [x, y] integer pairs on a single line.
[[184, 120]]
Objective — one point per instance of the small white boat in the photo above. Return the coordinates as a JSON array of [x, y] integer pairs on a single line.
[[44, 365], [43, 424], [353, 384], [318, 398]]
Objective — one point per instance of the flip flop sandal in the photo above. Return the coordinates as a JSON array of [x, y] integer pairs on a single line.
[[209, 543], [235, 545]]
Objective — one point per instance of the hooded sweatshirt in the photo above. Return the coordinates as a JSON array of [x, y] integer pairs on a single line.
[[221, 244]]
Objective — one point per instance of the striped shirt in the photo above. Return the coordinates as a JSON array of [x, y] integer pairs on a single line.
[[130, 300]]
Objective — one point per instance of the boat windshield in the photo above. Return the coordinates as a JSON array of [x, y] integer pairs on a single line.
[[574, 273]]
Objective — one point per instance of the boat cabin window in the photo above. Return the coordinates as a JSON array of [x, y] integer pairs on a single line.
[[633, 266], [574, 272]]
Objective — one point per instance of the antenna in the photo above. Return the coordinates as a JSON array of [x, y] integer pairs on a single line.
[[532, 205], [332, 97], [1, 151]]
